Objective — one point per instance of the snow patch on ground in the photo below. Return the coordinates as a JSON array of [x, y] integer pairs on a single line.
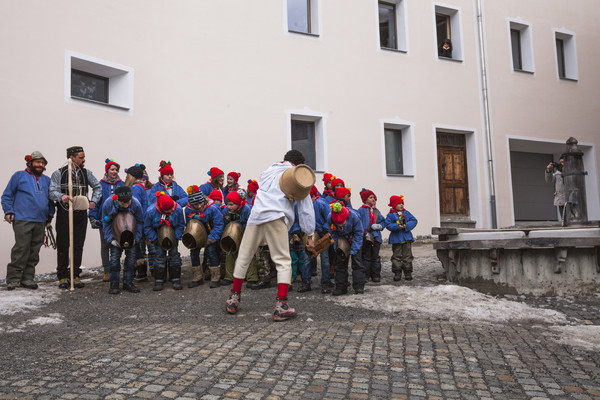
[[19, 300], [53, 319], [585, 336], [451, 302]]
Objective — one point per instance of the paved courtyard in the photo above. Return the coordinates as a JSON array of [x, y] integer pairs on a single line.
[[396, 341]]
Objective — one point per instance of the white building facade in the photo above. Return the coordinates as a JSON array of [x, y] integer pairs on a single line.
[[359, 86]]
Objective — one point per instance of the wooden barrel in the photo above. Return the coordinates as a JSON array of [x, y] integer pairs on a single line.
[[123, 226], [232, 237], [297, 181], [195, 235]]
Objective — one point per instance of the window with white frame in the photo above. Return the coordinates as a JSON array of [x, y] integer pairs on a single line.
[[302, 16], [392, 25], [566, 55], [98, 82], [447, 24], [521, 47], [397, 140], [306, 133]]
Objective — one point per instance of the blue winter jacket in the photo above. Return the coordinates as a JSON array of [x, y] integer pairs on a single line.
[[240, 216], [365, 220], [207, 188], [322, 211], [173, 190], [211, 216], [139, 192], [107, 191], [152, 221], [351, 230], [111, 207], [400, 235], [27, 197]]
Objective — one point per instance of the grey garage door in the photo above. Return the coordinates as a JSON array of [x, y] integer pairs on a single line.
[[532, 196]]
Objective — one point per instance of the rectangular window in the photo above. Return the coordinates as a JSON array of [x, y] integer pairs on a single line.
[[566, 55], [515, 41], [387, 25], [394, 164], [302, 16], [303, 139], [447, 25], [89, 86]]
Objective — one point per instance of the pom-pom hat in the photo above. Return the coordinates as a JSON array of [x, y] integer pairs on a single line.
[[365, 193], [395, 200], [339, 213], [341, 192], [214, 172], [216, 194], [327, 177], [337, 181], [109, 162], [195, 196], [137, 171], [165, 203], [234, 175], [252, 186], [237, 197], [165, 168]]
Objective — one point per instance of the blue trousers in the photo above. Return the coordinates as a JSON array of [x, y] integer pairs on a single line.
[[115, 264]]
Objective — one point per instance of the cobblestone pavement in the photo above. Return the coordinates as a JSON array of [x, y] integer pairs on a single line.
[[182, 344]]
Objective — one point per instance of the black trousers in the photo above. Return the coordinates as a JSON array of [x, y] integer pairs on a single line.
[[80, 222]]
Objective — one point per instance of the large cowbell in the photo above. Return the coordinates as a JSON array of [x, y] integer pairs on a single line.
[[123, 226], [166, 237], [194, 236], [232, 237]]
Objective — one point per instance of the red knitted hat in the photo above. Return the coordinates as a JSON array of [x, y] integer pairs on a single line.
[[165, 203], [216, 194], [327, 177], [109, 162], [339, 214], [341, 192], [365, 193], [165, 168], [314, 192], [237, 197], [337, 181], [234, 175], [252, 186], [214, 172], [395, 200]]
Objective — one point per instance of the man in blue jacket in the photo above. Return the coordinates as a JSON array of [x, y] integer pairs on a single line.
[[27, 207]]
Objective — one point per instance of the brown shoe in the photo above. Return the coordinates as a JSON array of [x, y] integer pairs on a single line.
[[106, 277]]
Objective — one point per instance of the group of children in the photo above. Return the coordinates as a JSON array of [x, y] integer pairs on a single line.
[[356, 233]]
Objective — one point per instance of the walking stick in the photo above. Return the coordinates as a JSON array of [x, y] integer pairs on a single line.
[[71, 221]]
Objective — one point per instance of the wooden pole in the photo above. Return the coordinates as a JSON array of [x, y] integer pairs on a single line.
[[71, 222]]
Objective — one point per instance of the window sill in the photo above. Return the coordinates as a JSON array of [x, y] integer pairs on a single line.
[[450, 59], [100, 103], [400, 176], [393, 50], [568, 79], [304, 33], [522, 71]]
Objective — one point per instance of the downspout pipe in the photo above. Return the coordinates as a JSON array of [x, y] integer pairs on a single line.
[[486, 115]]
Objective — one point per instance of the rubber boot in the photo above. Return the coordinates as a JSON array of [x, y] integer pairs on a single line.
[[215, 274], [197, 278], [175, 274], [160, 273]]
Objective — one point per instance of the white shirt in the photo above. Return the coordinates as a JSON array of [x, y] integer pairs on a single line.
[[271, 204]]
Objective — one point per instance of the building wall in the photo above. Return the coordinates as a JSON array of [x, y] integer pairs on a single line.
[[215, 83]]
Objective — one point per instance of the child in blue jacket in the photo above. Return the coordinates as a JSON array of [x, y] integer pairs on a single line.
[[237, 209], [167, 184], [165, 212], [372, 222], [205, 210], [400, 223], [345, 223]]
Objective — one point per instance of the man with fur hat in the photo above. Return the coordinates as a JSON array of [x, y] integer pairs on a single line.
[[345, 223], [217, 176], [82, 180], [400, 223], [165, 211], [109, 183], [166, 183], [270, 219], [208, 212], [122, 201], [27, 207]]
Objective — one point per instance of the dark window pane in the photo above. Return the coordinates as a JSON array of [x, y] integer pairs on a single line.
[[387, 25], [515, 41], [442, 23], [89, 86], [298, 15], [393, 152], [560, 57], [303, 139]]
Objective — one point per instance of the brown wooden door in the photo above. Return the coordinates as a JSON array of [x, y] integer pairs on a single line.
[[452, 172]]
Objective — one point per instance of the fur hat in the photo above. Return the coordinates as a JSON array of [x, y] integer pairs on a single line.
[[165, 168], [339, 213], [109, 162], [165, 203], [365, 193], [395, 200], [195, 196]]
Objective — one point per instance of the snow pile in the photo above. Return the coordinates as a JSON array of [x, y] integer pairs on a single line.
[[53, 318], [19, 300], [451, 302], [586, 336]]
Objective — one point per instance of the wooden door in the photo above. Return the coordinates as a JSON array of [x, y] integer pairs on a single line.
[[452, 173]]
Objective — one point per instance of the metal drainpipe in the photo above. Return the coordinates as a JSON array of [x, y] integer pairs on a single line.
[[486, 115]]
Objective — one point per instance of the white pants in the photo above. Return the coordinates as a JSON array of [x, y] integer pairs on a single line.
[[275, 233]]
